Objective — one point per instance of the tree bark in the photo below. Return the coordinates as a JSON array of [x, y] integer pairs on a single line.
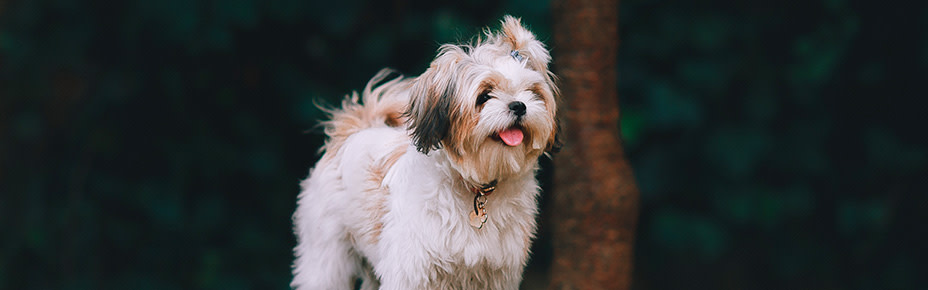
[[595, 202]]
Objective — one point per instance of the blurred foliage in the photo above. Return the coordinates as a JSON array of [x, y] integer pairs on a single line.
[[778, 145], [159, 144]]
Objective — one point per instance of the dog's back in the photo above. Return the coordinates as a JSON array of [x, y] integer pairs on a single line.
[[374, 120], [379, 104]]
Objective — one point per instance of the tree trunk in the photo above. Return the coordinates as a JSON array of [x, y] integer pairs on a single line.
[[595, 202]]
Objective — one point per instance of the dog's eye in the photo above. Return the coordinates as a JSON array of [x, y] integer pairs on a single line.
[[537, 96], [483, 98]]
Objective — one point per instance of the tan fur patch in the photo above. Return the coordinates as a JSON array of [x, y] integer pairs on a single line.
[[378, 193], [378, 105], [511, 28], [395, 119]]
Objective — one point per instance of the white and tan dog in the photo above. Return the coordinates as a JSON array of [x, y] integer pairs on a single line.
[[429, 182]]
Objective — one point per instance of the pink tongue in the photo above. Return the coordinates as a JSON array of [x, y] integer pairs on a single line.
[[511, 136]]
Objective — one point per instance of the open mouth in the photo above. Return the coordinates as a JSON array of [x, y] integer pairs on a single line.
[[511, 136]]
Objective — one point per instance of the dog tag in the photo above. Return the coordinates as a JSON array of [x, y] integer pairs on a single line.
[[476, 220]]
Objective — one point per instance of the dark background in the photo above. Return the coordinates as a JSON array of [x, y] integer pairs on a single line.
[[159, 144]]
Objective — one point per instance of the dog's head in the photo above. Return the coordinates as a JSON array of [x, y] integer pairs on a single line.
[[489, 106]]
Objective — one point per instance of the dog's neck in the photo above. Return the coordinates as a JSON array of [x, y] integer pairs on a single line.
[[458, 170], [474, 183], [481, 189]]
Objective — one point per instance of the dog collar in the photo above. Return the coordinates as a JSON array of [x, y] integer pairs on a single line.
[[485, 189]]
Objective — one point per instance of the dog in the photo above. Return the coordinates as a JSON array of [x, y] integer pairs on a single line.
[[429, 182]]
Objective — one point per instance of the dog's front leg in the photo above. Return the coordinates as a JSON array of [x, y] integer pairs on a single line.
[[404, 267]]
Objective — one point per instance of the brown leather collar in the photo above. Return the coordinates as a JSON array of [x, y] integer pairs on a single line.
[[485, 189]]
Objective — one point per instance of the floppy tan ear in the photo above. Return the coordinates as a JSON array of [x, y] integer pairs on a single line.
[[431, 98], [523, 41]]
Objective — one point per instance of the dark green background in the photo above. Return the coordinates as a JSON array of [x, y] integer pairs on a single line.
[[159, 144]]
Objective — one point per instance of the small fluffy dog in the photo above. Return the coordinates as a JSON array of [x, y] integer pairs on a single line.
[[429, 182]]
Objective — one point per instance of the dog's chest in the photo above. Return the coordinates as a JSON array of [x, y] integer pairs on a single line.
[[502, 242], [475, 259]]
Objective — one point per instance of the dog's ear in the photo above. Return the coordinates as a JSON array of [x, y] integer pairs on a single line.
[[431, 98], [523, 42], [554, 141]]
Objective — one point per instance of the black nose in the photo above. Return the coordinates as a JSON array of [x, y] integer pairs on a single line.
[[517, 108]]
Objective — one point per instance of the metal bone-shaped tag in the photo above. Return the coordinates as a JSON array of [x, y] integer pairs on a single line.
[[478, 217], [478, 220]]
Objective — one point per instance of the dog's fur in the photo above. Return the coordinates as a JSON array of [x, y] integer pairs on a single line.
[[390, 199]]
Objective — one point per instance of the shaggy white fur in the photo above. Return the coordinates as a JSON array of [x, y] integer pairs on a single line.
[[390, 202]]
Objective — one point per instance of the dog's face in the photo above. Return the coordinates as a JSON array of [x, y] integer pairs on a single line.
[[490, 107]]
